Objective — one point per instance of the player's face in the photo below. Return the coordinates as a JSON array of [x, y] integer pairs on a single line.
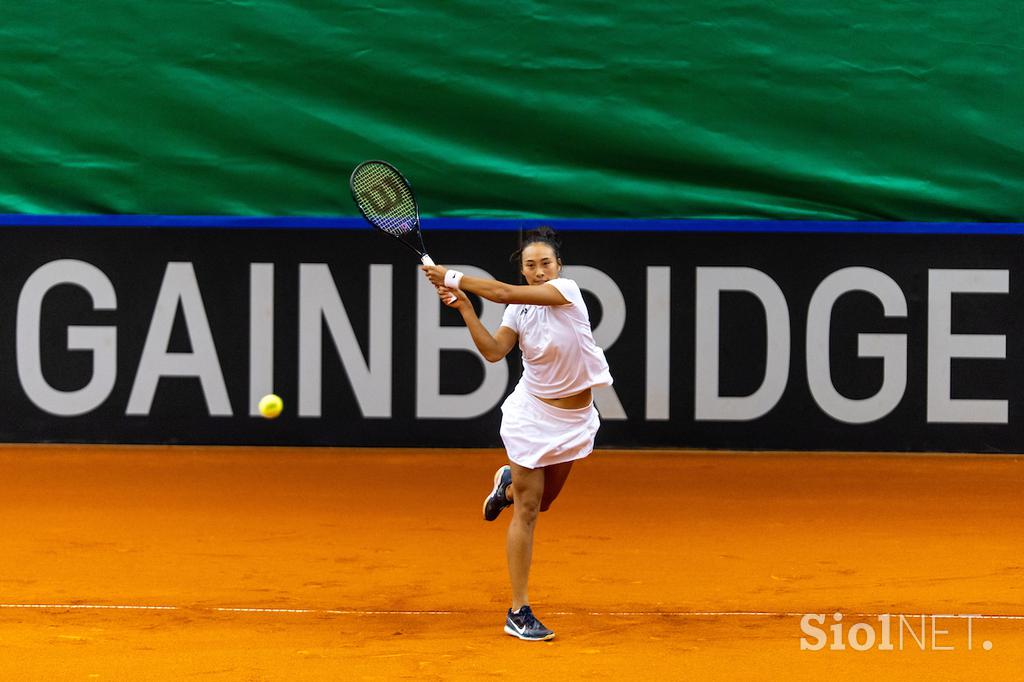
[[540, 264]]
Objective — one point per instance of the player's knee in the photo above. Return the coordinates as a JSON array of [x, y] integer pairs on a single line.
[[527, 507]]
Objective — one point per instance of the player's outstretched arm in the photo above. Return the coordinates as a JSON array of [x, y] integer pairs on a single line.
[[493, 347], [496, 291]]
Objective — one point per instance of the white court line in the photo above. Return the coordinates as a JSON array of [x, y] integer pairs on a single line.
[[368, 612], [333, 612], [88, 606]]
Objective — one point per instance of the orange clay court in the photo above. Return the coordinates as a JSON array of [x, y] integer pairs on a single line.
[[172, 563]]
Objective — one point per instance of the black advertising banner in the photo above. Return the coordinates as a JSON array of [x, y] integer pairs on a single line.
[[716, 340]]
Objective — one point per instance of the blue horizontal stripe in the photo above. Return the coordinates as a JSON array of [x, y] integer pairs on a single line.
[[513, 224]]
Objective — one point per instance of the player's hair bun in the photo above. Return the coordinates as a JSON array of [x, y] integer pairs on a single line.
[[542, 234]]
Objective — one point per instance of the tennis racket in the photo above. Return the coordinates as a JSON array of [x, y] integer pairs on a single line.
[[386, 200]]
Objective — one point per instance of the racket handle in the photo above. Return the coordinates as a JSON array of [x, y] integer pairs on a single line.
[[427, 260]]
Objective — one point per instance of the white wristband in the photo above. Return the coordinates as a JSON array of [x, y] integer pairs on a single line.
[[452, 278]]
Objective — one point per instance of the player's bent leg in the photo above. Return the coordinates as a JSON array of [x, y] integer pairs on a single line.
[[554, 478]]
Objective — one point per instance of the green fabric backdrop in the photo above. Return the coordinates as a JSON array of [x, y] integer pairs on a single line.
[[860, 109]]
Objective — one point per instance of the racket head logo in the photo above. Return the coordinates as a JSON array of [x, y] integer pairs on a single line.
[[384, 197], [386, 200]]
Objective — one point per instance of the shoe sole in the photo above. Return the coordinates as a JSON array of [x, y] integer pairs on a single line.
[[497, 482], [545, 638]]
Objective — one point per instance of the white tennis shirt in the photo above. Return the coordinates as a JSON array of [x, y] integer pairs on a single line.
[[560, 357]]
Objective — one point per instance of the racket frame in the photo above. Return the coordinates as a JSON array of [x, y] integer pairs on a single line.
[[418, 226]]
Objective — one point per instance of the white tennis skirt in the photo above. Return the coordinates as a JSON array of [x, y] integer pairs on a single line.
[[537, 434]]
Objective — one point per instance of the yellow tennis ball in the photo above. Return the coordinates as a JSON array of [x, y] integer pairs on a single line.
[[270, 406]]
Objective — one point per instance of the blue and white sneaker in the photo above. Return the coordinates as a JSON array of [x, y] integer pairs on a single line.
[[525, 625], [497, 501]]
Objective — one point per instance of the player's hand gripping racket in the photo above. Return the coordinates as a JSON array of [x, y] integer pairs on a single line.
[[385, 199]]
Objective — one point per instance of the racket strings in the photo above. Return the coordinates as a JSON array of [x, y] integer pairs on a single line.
[[385, 199]]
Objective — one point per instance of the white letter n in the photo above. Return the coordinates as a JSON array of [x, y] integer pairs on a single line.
[[320, 302]]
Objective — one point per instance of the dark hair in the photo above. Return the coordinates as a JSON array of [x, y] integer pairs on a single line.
[[538, 235]]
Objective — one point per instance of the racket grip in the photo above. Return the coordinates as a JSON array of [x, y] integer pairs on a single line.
[[427, 260]]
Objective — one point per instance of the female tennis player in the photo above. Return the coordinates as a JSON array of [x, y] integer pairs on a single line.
[[549, 420]]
